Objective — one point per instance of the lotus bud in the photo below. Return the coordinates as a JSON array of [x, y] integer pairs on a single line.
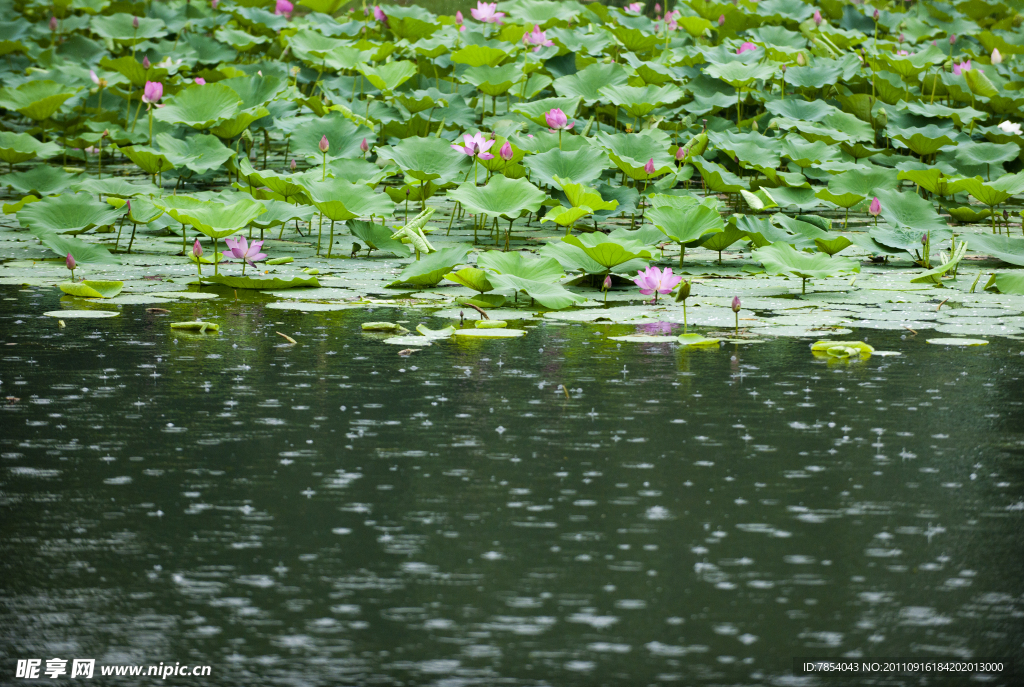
[[324, 144], [153, 91], [735, 303], [214, 3], [506, 152], [1006, 216], [996, 57], [753, 126], [135, 22], [607, 283], [657, 8], [721, 20], [903, 37], [649, 167], [70, 262], [292, 165], [53, 23], [875, 208], [146, 63], [458, 17], [876, 15], [800, 59], [684, 291], [106, 132], [680, 153], [783, 68], [128, 206], [200, 81], [952, 38], [364, 146], [379, 15], [817, 17], [197, 249], [924, 239]]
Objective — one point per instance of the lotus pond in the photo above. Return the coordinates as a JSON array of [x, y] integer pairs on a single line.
[[529, 343]]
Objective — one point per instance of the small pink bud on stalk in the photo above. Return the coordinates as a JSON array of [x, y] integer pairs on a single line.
[[200, 81], [681, 295], [53, 23], [800, 61], [657, 8], [364, 146], [506, 152], [680, 154], [197, 251], [817, 17], [649, 167], [291, 165], [721, 20], [606, 286], [952, 38], [146, 63], [324, 145], [736, 311], [70, 262], [135, 22], [996, 57]]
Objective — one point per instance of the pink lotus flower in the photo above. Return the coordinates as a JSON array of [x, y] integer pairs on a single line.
[[952, 38], [736, 304], [152, 93], [379, 15], [959, 69], [200, 81], [817, 17], [240, 248], [721, 20], [649, 167], [324, 144], [746, 47], [657, 8], [475, 146], [197, 249], [556, 120], [902, 53], [536, 37], [146, 64], [487, 12], [53, 23], [95, 79], [997, 58], [459, 21], [291, 165], [635, 8], [506, 152], [680, 154], [364, 146], [71, 264], [875, 208], [283, 7], [653, 280], [214, 3]]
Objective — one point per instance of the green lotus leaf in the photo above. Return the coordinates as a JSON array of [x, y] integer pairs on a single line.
[[1006, 282], [1003, 247], [431, 269], [685, 225], [909, 66], [238, 122], [923, 140], [582, 166], [994, 192], [986, 153], [255, 90], [638, 101], [471, 278], [853, 186], [580, 195], [483, 300], [238, 39], [129, 67], [91, 288], [142, 212], [750, 150], [718, 178], [338, 199], [587, 83], [149, 160], [284, 185], [71, 213], [782, 258], [500, 197], [934, 276], [635, 40], [566, 217], [312, 46], [605, 251], [279, 213], [390, 76], [552, 296], [806, 153], [831, 246], [904, 238], [517, 265], [535, 110], [377, 237], [200, 107], [741, 75], [932, 180], [36, 100], [479, 56], [260, 283], [807, 110], [200, 152], [42, 180], [911, 211], [411, 28], [343, 135], [215, 219], [963, 116], [119, 27], [427, 159], [328, 7], [980, 84], [494, 81], [15, 148], [630, 152], [83, 252]]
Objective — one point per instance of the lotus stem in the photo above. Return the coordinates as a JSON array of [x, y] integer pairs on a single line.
[[216, 257], [319, 233], [118, 241], [132, 240], [331, 244], [737, 314], [150, 127], [684, 318], [184, 249]]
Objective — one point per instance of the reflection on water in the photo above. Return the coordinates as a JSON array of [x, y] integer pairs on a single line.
[[556, 509]]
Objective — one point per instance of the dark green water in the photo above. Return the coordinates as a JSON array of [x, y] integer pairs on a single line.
[[334, 514]]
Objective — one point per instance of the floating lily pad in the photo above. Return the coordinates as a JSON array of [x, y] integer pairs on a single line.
[[958, 342], [91, 288], [81, 314], [489, 333]]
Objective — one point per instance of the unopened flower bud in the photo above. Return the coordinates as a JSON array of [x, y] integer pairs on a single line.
[[324, 144], [735, 303]]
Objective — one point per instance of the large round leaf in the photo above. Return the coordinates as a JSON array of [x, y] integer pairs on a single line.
[[72, 213], [15, 148], [338, 199], [501, 197], [36, 100], [782, 258], [215, 219], [582, 166], [426, 158], [200, 107]]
